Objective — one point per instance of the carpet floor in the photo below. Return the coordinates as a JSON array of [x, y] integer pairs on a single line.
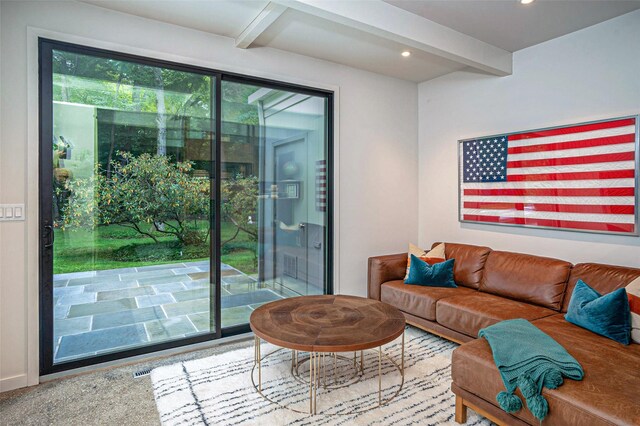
[[218, 389]]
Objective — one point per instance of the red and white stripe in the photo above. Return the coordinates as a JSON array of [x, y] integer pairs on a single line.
[[576, 177]]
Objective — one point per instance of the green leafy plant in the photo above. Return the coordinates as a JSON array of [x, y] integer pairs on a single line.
[[148, 193], [239, 207], [240, 204]]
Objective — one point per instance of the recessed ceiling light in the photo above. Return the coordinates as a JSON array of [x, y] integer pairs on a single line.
[[406, 53], [526, 1]]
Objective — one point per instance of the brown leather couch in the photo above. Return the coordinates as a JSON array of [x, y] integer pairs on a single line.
[[498, 285]]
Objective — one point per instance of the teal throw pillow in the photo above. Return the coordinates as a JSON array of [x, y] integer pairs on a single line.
[[607, 315], [437, 275]]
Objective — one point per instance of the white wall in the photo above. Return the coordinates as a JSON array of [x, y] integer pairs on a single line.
[[376, 124], [587, 75]]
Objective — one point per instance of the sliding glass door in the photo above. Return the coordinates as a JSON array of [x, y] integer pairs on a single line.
[[274, 196], [174, 200]]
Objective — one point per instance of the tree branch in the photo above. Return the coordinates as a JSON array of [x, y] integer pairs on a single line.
[[135, 226]]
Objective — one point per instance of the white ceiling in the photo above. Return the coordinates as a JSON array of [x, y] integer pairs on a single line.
[[301, 33], [511, 26], [443, 35], [223, 17]]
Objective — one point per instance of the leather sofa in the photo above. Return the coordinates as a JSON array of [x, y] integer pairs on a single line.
[[499, 285]]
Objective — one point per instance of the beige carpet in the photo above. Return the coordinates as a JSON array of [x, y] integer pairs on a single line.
[[218, 389]]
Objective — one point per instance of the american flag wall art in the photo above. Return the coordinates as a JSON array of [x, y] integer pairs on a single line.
[[581, 177]]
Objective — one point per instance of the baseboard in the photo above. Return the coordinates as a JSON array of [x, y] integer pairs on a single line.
[[15, 382]]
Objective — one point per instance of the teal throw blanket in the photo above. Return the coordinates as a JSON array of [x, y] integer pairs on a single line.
[[529, 359]]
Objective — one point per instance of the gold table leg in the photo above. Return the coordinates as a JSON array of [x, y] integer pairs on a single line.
[[317, 372], [379, 375], [402, 361], [259, 364], [311, 382]]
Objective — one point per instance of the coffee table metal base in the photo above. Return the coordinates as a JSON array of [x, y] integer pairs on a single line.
[[317, 377]]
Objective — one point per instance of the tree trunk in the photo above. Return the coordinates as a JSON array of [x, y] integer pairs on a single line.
[[161, 117]]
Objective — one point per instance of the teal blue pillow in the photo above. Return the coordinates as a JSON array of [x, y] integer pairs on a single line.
[[607, 315], [437, 275]]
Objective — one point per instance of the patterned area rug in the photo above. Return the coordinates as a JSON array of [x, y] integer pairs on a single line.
[[218, 390]]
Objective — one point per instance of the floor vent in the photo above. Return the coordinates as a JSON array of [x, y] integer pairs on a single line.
[[141, 373]]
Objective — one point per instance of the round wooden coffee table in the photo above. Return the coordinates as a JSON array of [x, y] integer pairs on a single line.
[[323, 327]]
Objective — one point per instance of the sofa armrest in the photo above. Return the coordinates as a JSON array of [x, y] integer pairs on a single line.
[[382, 269]]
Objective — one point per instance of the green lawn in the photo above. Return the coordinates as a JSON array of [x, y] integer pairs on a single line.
[[112, 247]]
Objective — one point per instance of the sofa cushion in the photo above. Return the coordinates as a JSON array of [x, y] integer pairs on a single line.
[[633, 291], [532, 279], [602, 278], [469, 263], [607, 394], [436, 275], [607, 315], [435, 255], [469, 313], [418, 300]]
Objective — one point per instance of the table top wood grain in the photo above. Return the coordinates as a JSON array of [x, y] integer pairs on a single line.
[[331, 323]]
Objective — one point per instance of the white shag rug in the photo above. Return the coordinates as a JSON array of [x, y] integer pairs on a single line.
[[218, 390]]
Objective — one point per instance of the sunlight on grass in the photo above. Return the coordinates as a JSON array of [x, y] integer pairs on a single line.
[[114, 247]]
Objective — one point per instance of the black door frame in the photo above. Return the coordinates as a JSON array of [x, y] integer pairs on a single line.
[[45, 80]]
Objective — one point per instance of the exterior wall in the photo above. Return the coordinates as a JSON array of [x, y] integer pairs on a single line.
[[587, 75], [375, 146]]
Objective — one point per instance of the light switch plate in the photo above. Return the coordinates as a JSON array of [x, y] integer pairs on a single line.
[[12, 212]]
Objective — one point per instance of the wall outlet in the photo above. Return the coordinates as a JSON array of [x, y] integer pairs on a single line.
[[11, 212]]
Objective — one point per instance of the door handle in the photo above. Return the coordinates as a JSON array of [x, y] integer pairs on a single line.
[[49, 235]]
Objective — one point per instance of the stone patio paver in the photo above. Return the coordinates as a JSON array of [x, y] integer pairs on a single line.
[[187, 307], [107, 339], [125, 293], [169, 328], [90, 280], [70, 275], [105, 311], [198, 293], [147, 274], [198, 275], [60, 312], [196, 284], [113, 285], [155, 300], [116, 271], [67, 291], [171, 278], [71, 326], [191, 270], [200, 320], [160, 267], [132, 316], [235, 315], [102, 307], [77, 299], [168, 287]]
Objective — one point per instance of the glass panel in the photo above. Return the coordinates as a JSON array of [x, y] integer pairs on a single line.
[[132, 159], [273, 208]]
